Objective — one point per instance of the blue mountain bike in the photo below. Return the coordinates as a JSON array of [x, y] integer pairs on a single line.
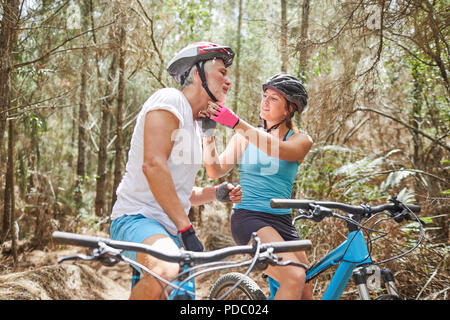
[[352, 257]]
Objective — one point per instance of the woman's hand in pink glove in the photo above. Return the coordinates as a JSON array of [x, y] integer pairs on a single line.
[[224, 116]]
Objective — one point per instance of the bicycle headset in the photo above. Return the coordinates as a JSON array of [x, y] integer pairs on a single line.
[[292, 90], [197, 54]]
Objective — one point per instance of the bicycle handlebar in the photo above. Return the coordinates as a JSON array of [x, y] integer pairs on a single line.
[[358, 210], [318, 210], [195, 257]]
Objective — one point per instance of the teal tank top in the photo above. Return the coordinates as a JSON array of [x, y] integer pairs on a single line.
[[263, 177]]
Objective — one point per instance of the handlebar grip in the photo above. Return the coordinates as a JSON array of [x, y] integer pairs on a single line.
[[290, 203], [414, 208], [92, 242], [290, 246], [78, 239]]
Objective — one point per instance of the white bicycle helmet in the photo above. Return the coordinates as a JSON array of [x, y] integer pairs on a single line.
[[197, 54]]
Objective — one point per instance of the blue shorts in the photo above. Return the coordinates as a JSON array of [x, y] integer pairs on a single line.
[[136, 228]]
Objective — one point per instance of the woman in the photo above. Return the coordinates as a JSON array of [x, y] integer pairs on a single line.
[[269, 161]]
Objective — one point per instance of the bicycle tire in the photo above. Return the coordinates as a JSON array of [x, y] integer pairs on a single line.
[[246, 290]]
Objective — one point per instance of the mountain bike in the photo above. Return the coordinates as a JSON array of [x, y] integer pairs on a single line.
[[352, 257], [192, 264]]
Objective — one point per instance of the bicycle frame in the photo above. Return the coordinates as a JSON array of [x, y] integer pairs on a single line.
[[350, 254], [189, 285]]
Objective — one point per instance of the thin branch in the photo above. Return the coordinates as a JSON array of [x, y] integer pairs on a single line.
[[410, 53], [406, 125], [353, 130], [357, 176], [65, 93], [81, 48], [54, 50], [341, 30], [161, 58], [432, 276], [156, 77], [55, 12], [380, 45]]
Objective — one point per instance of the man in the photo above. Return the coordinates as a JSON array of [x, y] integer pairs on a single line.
[[157, 190]]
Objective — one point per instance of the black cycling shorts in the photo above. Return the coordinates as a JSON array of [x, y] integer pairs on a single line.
[[245, 222]]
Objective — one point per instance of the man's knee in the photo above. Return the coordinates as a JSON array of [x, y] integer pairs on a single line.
[[164, 269], [167, 271], [293, 277]]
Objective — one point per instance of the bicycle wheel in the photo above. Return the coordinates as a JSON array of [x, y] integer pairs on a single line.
[[246, 290]]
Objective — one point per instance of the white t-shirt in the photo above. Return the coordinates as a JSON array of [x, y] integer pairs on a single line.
[[133, 194]]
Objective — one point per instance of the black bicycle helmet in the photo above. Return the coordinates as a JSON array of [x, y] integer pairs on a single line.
[[292, 90], [290, 87], [197, 54]]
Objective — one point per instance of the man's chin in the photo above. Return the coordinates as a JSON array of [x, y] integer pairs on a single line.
[[222, 101], [222, 98]]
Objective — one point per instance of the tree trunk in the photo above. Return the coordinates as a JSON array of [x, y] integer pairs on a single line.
[[9, 190], [303, 45], [283, 38], [414, 123], [119, 115], [8, 39], [82, 121], [107, 100], [103, 139], [236, 60]]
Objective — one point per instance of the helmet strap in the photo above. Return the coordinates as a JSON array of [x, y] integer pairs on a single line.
[[274, 126], [201, 72]]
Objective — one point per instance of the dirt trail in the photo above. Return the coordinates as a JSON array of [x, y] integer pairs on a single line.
[[40, 277]]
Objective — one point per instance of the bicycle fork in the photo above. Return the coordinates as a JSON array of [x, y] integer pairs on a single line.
[[370, 277]]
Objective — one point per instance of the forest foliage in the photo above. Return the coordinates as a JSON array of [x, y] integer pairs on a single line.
[[74, 75]]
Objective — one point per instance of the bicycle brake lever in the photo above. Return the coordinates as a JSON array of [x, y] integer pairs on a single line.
[[292, 263], [301, 215], [268, 257], [404, 215], [105, 254], [319, 213], [77, 256], [107, 261]]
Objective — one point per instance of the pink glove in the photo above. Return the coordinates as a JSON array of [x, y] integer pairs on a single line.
[[226, 117]]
